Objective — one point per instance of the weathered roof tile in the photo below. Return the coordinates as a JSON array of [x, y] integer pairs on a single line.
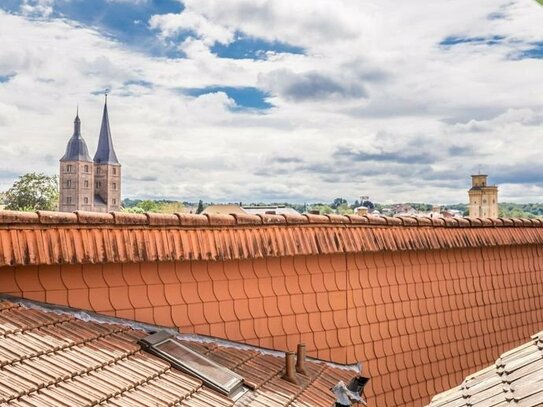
[[51, 358]]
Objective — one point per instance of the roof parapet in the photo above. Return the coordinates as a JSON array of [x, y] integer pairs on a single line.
[[8, 217], [95, 237]]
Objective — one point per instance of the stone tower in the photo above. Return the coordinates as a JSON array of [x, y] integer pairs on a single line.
[[483, 198], [107, 171], [76, 174]]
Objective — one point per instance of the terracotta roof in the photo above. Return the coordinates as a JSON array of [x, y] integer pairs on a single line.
[[52, 358], [60, 238], [516, 379]]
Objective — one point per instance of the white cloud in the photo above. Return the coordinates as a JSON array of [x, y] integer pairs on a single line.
[[171, 24], [375, 106], [37, 8]]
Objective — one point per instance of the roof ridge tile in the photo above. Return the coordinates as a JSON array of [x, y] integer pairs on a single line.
[[94, 218], [270, 219], [125, 218], [247, 219], [52, 218], [217, 219]]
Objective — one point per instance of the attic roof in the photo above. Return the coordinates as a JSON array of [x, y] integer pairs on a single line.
[[70, 358]]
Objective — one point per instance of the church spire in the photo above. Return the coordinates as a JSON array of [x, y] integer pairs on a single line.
[[77, 124], [105, 153]]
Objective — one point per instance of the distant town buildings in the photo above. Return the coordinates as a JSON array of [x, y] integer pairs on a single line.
[[229, 209], [483, 198], [366, 206], [90, 185]]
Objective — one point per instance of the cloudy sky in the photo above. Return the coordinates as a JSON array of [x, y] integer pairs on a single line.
[[274, 100]]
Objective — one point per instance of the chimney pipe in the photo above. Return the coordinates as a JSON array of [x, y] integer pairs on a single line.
[[290, 369], [300, 359]]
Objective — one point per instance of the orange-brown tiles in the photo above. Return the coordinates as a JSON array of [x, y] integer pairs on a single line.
[[409, 297], [50, 238]]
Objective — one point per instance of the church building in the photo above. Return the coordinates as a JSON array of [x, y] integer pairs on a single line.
[[90, 185]]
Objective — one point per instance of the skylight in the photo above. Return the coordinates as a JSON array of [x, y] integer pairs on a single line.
[[215, 376]]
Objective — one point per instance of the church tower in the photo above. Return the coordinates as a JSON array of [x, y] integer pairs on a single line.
[[107, 171], [483, 198], [76, 174]]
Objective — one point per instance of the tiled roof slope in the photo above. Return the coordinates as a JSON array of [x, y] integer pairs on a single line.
[[516, 379], [57, 359], [60, 238], [419, 321]]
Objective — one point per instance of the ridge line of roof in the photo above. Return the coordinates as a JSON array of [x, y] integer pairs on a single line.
[[81, 218]]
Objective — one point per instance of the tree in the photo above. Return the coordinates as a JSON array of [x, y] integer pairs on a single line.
[[32, 192], [133, 209], [338, 202], [200, 208], [148, 206], [170, 207], [344, 209]]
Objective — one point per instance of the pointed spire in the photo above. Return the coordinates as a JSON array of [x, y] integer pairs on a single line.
[[105, 153], [77, 124], [76, 150]]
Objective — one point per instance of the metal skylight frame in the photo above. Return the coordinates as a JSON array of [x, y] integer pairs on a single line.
[[164, 345]]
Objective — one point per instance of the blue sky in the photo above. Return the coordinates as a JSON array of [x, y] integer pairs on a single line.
[[259, 100]]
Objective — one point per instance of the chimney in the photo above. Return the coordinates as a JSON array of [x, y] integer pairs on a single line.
[[290, 369], [300, 359]]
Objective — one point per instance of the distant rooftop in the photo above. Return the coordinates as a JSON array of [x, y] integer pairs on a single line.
[[270, 209]]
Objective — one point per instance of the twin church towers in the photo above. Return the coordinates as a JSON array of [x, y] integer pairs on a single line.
[[90, 185]]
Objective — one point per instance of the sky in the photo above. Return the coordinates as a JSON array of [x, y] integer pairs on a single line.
[[280, 100]]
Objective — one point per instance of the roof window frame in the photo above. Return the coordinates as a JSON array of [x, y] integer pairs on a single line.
[[234, 388]]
